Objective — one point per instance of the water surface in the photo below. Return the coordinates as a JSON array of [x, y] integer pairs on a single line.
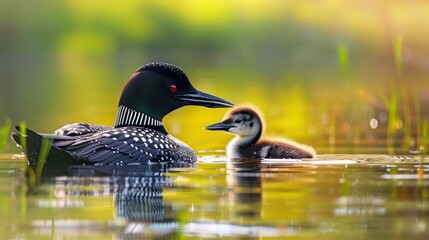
[[332, 197]]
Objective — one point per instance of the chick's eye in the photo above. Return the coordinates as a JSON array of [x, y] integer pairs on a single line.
[[238, 120], [172, 88]]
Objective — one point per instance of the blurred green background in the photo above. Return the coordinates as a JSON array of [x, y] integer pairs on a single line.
[[339, 75]]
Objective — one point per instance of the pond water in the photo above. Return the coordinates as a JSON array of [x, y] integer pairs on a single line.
[[331, 197]]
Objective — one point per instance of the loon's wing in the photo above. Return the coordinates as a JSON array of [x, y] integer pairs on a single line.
[[116, 146], [80, 129], [127, 146]]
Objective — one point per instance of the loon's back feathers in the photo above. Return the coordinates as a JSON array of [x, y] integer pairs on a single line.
[[129, 145], [79, 129], [117, 146]]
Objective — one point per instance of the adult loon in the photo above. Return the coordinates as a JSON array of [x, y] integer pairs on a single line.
[[138, 136], [248, 126]]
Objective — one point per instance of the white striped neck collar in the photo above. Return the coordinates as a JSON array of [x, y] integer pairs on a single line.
[[126, 116]]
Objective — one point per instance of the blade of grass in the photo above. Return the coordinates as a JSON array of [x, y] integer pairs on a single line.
[[332, 125], [423, 147], [23, 136], [397, 53], [43, 154], [406, 128], [4, 133], [343, 59], [425, 135], [23, 140], [418, 113], [392, 121]]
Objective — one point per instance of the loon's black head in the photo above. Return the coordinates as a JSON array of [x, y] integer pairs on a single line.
[[156, 89]]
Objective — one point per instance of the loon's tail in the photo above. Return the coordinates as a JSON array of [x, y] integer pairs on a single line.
[[55, 158], [31, 146]]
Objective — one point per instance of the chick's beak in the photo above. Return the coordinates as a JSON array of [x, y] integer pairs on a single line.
[[223, 126]]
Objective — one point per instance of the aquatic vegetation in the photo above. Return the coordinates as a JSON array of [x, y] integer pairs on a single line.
[[343, 59], [331, 132], [33, 174], [393, 121], [408, 139], [425, 137], [23, 134], [423, 149], [397, 53], [43, 155], [4, 133]]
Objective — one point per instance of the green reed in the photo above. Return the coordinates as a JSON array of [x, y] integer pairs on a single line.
[[23, 136], [343, 68], [393, 117], [423, 152], [343, 59], [392, 104], [331, 132], [4, 133], [34, 174], [31, 177], [43, 155], [406, 124], [419, 120], [425, 136], [397, 53]]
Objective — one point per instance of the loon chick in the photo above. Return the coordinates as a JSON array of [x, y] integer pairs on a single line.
[[138, 136], [246, 123]]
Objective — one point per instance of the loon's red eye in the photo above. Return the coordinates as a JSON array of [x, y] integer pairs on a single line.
[[172, 88]]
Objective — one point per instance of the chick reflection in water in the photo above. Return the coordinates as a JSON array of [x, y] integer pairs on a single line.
[[247, 124], [244, 181]]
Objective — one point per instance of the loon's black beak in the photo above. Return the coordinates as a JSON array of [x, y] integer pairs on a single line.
[[224, 126], [204, 99]]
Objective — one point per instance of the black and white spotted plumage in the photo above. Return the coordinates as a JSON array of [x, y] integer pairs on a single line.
[[104, 145]]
